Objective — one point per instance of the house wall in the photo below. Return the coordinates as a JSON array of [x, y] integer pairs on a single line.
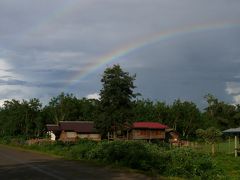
[[68, 136], [148, 134], [96, 137], [72, 136]]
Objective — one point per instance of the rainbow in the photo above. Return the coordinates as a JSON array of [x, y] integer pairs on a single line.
[[123, 51]]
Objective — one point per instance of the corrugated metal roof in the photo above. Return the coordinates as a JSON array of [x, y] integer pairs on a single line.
[[76, 126], [232, 130], [53, 127], [149, 125]]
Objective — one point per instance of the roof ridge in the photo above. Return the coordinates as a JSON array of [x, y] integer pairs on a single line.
[[76, 121]]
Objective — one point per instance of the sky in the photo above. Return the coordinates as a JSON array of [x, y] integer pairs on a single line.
[[177, 49]]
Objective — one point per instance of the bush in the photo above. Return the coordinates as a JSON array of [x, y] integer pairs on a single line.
[[5, 140], [181, 162], [133, 154], [81, 149], [185, 162], [14, 140]]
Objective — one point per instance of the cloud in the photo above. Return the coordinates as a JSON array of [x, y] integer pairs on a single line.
[[233, 88], [236, 99], [2, 102], [45, 44], [12, 82], [93, 96], [5, 69]]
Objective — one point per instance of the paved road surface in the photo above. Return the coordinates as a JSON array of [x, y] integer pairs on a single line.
[[24, 165]]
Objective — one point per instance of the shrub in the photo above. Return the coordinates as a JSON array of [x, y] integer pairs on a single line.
[[133, 154], [185, 162], [81, 149], [181, 162], [5, 140]]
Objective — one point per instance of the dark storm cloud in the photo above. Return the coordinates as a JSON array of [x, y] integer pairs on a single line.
[[15, 82], [12, 82], [44, 44], [190, 67]]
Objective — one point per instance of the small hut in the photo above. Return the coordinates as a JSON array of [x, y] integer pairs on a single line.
[[147, 131], [235, 132]]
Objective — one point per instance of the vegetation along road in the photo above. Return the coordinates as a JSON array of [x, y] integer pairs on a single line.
[[20, 164]]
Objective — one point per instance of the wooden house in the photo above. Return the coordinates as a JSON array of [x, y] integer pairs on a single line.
[[147, 131], [73, 130]]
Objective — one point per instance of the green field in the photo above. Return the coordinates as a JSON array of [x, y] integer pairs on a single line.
[[229, 164], [224, 157]]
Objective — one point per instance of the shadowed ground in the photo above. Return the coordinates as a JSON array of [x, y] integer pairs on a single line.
[[19, 164]]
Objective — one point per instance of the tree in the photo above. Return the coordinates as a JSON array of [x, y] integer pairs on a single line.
[[184, 117], [144, 110], [210, 136], [220, 114], [116, 98], [147, 110], [63, 107], [66, 107], [21, 118]]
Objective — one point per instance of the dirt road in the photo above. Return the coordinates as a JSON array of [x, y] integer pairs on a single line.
[[25, 165]]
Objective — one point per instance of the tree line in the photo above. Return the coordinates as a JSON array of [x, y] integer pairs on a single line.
[[118, 105]]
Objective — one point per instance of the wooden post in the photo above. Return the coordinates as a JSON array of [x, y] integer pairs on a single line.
[[229, 143], [149, 135], [235, 150], [213, 149], [114, 135]]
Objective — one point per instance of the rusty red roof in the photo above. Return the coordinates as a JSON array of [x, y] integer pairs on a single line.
[[78, 126], [53, 127], [149, 125]]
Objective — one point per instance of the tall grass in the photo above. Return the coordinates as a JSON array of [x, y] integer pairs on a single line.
[[224, 157]]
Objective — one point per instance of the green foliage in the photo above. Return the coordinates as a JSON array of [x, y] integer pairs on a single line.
[[220, 114], [5, 140], [29, 119], [137, 155], [145, 110], [66, 107], [149, 157], [229, 164], [191, 164], [21, 118], [209, 135], [184, 117], [81, 149]]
